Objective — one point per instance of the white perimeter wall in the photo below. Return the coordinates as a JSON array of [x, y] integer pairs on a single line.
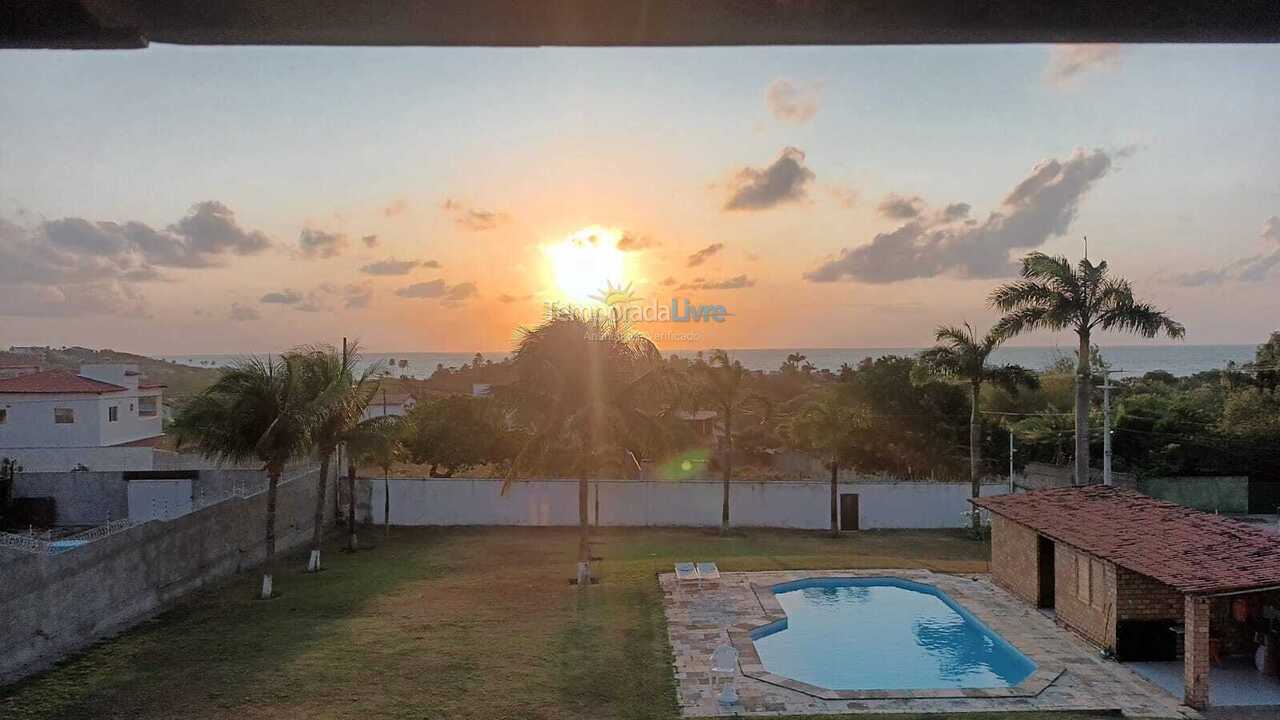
[[685, 503]]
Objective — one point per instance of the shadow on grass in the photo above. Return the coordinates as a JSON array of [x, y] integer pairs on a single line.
[[221, 647]]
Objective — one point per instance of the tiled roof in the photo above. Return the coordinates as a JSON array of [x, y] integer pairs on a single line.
[[56, 381], [1192, 551]]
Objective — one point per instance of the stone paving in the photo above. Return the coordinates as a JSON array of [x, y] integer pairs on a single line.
[[1070, 674]]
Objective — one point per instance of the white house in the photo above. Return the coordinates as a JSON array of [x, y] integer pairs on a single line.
[[58, 420], [389, 404]]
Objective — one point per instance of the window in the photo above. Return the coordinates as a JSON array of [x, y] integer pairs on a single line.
[[113, 413], [147, 407], [64, 416], [4, 415]]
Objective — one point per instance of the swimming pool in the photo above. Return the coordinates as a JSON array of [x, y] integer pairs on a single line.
[[883, 633]]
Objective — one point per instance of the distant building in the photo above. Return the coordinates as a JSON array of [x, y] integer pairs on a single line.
[[28, 349], [389, 404], [59, 419], [481, 389], [8, 370]]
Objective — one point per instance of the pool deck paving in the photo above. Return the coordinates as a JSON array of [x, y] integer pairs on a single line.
[[1070, 675]]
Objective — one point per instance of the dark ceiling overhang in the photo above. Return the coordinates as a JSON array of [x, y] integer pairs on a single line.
[[134, 23]]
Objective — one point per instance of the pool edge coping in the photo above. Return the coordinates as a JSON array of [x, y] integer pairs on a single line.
[[752, 666]]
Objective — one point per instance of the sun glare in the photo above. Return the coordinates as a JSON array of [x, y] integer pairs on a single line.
[[587, 262]]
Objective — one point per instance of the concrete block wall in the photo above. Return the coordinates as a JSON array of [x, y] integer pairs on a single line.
[[54, 604], [658, 503], [1015, 558], [83, 498]]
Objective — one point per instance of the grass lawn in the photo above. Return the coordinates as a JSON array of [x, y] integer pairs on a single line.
[[448, 623]]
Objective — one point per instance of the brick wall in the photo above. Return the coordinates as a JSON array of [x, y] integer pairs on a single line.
[[1139, 597], [1014, 553], [1085, 594]]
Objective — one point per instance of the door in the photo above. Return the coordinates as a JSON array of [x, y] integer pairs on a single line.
[[1044, 555], [848, 511]]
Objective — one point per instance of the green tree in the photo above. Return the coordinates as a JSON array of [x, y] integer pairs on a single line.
[[379, 442], [456, 433], [583, 382], [259, 410], [1266, 363], [339, 399], [1052, 295], [963, 356], [827, 425], [724, 387]]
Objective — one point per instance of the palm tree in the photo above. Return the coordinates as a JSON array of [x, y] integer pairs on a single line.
[[376, 441], [258, 410], [723, 386], [583, 382], [962, 355], [339, 402], [828, 425], [1052, 295]]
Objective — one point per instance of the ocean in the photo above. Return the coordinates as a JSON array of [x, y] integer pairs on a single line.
[[1133, 360]]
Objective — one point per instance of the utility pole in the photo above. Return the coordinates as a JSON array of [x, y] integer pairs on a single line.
[[1106, 425], [1011, 452]]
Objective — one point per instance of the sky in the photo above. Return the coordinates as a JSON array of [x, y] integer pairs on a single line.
[[180, 200]]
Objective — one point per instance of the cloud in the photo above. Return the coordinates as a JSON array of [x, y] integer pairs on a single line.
[[448, 295], [473, 219], [396, 267], [283, 297], [1067, 63], [396, 207], [736, 282], [630, 242], [704, 254], [77, 266], [785, 181], [1252, 269], [900, 207], [1041, 206], [242, 313], [669, 281], [505, 298], [370, 241], [792, 103], [320, 244]]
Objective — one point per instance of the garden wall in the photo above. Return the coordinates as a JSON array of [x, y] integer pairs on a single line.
[[658, 503], [52, 604]]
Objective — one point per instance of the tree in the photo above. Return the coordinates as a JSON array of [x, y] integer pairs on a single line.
[[456, 433], [1266, 363], [258, 410], [1052, 295], [723, 386], [377, 441], [583, 382], [339, 401], [827, 426], [962, 355]]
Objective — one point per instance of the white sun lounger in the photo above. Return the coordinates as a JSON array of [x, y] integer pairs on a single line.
[[708, 571], [686, 571]]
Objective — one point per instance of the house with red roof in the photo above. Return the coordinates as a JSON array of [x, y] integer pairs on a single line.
[[60, 418], [1188, 599]]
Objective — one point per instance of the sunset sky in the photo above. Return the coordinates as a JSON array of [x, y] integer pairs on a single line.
[[203, 200]]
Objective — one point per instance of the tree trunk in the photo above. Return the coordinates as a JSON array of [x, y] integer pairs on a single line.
[[273, 486], [835, 497], [728, 471], [1084, 383], [975, 450], [317, 533], [352, 542], [584, 536], [386, 504]]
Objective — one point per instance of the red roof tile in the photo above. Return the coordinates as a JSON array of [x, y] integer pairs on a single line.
[[1192, 551], [56, 381]]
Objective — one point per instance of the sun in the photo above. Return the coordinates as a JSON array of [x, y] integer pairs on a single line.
[[587, 262]]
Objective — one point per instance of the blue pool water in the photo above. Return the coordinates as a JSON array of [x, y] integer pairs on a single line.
[[883, 633]]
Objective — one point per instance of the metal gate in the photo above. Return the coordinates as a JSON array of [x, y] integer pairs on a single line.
[[159, 499]]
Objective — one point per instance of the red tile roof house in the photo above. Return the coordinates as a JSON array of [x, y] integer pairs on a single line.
[[56, 419], [1143, 578]]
